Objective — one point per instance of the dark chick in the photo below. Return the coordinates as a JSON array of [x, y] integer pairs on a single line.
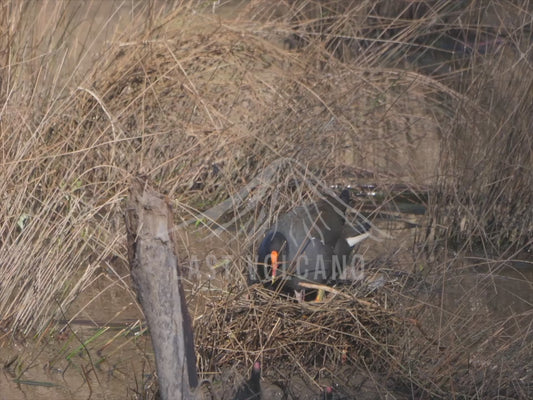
[[329, 394], [251, 389]]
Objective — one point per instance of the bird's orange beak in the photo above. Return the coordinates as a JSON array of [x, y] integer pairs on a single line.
[[274, 261]]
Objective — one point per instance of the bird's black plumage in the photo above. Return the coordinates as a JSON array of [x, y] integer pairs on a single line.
[[308, 242]]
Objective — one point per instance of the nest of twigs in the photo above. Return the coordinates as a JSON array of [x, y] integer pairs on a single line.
[[257, 323]]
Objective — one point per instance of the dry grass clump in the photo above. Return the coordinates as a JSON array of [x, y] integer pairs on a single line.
[[482, 53], [56, 222], [205, 106]]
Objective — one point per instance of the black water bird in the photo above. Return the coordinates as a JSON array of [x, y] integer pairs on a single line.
[[308, 244], [251, 389]]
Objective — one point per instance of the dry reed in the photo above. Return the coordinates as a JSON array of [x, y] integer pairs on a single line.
[[206, 107]]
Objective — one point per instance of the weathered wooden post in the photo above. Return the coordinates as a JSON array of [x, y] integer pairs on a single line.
[[157, 281]]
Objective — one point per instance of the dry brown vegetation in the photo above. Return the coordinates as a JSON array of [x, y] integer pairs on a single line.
[[244, 117]]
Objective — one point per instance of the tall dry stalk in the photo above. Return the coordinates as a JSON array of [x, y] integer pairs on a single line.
[[59, 200]]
